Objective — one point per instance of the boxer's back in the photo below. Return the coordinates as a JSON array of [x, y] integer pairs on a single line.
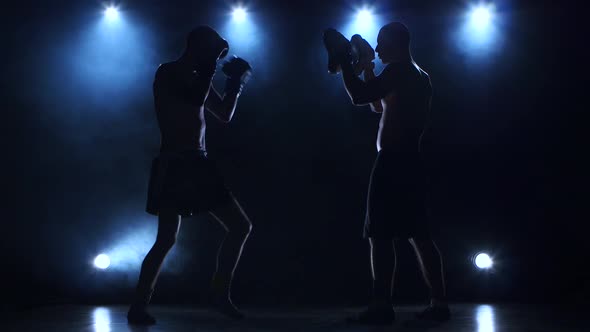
[[405, 109]]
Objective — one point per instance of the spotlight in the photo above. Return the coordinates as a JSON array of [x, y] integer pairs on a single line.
[[111, 13], [480, 32], [239, 14], [364, 16], [483, 261], [481, 17], [102, 261], [363, 22]]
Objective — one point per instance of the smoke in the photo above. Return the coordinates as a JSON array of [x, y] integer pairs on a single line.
[[93, 79], [479, 35], [129, 246], [248, 39]]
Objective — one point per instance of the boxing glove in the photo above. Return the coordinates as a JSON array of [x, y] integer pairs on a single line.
[[339, 50], [238, 72], [362, 53]]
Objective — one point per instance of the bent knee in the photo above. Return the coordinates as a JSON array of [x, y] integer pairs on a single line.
[[423, 243], [241, 229], [245, 227]]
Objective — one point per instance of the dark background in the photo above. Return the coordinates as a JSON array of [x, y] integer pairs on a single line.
[[505, 156]]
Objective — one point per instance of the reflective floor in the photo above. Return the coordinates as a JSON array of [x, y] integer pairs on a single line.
[[466, 317]]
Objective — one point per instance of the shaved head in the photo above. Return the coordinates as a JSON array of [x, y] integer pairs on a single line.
[[393, 42], [396, 34]]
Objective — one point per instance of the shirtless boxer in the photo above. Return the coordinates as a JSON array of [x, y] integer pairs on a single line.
[[184, 181], [396, 205]]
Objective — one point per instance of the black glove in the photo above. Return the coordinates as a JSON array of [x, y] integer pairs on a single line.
[[362, 54], [238, 72], [339, 50]]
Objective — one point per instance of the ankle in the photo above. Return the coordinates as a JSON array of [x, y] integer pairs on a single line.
[[437, 302], [137, 307], [381, 304], [221, 285], [142, 298]]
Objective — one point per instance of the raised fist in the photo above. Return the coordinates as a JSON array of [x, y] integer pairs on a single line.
[[237, 69]]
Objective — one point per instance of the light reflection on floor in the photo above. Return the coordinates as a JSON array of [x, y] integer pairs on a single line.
[[484, 316], [466, 318], [102, 319]]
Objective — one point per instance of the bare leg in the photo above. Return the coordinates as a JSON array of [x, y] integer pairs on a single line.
[[380, 310], [383, 263], [168, 226], [431, 264], [237, 225]]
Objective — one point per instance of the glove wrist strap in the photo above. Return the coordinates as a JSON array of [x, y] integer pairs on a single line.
[[233, 85]]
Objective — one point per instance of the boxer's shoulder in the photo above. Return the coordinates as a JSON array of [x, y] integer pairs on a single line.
[[165, 69]]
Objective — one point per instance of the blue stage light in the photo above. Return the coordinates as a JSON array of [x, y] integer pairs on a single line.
[[111, 13], [364, 17], [239, 14], [241, 31], [480, 23], [483, 261], [481, 17], [480, 32], [102, 261], [364, 22]]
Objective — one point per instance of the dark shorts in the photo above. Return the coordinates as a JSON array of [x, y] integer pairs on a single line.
[[185, 182], [396, 203]]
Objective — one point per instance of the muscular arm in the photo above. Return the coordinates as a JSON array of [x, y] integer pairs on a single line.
[[363, 93], [222, 108]]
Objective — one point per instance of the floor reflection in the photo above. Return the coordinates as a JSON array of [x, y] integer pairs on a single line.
[[101, 319], [484, 316]]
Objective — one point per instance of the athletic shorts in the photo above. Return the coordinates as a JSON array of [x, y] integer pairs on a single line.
[[396, 202], [185, 182]]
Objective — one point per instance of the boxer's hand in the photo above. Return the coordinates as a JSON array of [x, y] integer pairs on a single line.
[[238, 72], [237, 69], [363, 54]]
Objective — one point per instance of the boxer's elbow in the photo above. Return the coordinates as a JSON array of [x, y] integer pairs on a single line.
[[224, 118], [376, 107], [226, 115], [360, 96]]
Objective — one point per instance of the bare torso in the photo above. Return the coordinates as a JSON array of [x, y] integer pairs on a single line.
[[405, 109], [181, 122]]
